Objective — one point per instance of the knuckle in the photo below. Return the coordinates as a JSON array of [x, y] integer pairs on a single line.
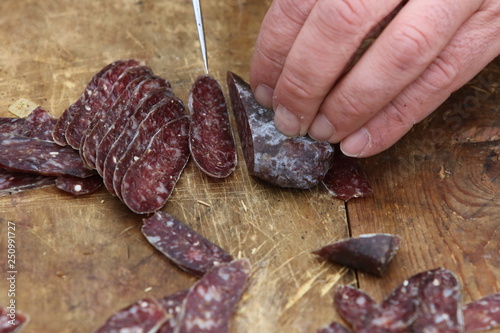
[[341, 15], [295, 87], [410, 47], [353, 107], [442, 73], [296, 11]]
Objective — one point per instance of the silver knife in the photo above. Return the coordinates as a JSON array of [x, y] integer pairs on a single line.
[[201, 32]]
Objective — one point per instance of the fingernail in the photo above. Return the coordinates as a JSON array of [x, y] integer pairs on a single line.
[[356, 143], [264, 96], [321, 129], [286, 122]]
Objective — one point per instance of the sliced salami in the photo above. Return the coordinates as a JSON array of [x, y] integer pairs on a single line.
[[79, 186], [334, 328], [149, 181], [14, 182], [370, 253], [130, 130], [439, 308], [211, 139], [354, 305], [144, 316], [172, 305], [90, 138], [210, 303], [161, 114], [23, 154], [99, 83], [121, 116], [185, 247], [11, 125], [96, 93], [269, 155], [346, 179], [12, 321], [483, 314], [39, 124]]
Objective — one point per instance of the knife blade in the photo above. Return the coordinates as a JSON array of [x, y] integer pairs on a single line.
[[201, 32]]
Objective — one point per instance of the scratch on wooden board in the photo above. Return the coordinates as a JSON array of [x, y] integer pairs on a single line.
[[135, 39], [332, 280], [44, 241], [303, 290]]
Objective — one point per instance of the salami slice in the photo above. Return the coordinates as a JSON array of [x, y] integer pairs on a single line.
[[119, 92], [12, 321], [144, 316], [39, 125], [354, 305], [79, 186], [483, 314], [115, 126], [370, 253], [20, 153], [185, 247], [14, 182], [11, 125], [172, 305], [210, 303], [439, 309], [149, 181], [280, 160], [100, 83], [160, 115], [346, 179], [97, 91], [334, 328], [211, 139], [130, 130]]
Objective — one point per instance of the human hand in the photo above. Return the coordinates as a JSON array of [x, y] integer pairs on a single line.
[[427, 51]]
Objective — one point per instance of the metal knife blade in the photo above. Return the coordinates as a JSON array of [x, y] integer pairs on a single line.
[[201, 32]]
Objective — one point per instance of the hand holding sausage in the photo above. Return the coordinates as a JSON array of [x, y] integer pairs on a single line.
[[428, 50]]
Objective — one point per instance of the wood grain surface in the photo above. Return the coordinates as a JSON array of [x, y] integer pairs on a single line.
[[81, 259]]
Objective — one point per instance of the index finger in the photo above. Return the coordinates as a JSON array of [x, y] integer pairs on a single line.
[[278, 32]]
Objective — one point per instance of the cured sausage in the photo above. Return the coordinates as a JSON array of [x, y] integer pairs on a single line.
[[98, 88], [118, 116], [79, 186], [370, 253], [12, 324], [483, 314], [354, 305], [20, 153], [39, 124], [106, 115], [172, 306], [269, 155], [185, 247], [150, 180], [211, 139], [14, 182], [346, 179], [439, 308], [160, 115], [210, 303], [145, 316], [130, 130], [333, 328], [11, 125]]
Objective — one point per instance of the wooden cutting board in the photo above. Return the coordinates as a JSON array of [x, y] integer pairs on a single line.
[[78, 260]]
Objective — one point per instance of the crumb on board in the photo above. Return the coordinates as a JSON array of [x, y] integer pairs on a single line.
[[22, 107], [148, 289], [203, 203], [244, 206]]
